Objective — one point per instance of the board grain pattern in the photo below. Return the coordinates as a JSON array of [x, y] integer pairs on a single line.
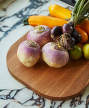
[[56, 84]]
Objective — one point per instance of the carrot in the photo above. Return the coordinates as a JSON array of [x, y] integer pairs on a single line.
[[85, 25], [59, 11], [83, 34], [46, 20]]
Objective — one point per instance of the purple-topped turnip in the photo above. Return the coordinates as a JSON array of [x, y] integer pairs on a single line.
[[40, 34], [28, 53], [54, 56]]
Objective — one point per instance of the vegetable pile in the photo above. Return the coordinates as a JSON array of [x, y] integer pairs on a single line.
[[57, 38]]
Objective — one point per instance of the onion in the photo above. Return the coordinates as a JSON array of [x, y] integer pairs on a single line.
[[40, 34], [54, 56], [28, 53]]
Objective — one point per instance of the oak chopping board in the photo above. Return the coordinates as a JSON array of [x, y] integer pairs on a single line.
[[55, 84]]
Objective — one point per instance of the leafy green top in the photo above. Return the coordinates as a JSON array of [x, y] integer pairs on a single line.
[[80, 12]]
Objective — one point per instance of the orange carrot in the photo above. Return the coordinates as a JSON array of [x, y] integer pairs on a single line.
[[46, 20], [83, 34], [59, 11], [85, 25]]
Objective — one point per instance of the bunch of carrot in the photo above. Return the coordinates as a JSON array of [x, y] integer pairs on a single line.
[[58, 17]]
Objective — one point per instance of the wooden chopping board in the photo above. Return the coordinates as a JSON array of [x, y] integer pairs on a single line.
[[55, 84]]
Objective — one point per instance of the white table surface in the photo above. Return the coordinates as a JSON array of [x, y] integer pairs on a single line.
[[12, 93]]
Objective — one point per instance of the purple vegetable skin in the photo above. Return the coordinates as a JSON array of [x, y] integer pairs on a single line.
[[40, 34], [54, 57], [28, 53]]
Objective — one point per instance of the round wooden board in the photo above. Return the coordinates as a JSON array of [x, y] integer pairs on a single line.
[[55, 84]]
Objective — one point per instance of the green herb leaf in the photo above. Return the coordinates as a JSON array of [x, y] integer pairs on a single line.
[[80, 12]]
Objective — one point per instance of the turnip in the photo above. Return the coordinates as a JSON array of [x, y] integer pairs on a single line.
[[54, 56], [28, 53], [40, 34]]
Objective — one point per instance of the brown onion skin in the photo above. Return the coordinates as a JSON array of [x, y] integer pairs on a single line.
[[28, 55], [40, 37], [54, 57]]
